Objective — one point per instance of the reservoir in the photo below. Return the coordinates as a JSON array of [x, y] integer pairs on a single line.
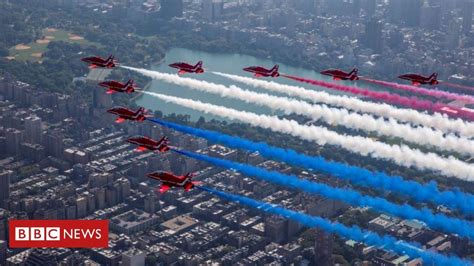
[[227, 63]]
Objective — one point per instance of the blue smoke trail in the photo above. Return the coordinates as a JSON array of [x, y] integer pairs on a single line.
[[354, 232], [360, 176], [405, 211]]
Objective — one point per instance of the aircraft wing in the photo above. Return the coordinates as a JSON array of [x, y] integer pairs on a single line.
[[164, 188], [188, 186], [141, 149]]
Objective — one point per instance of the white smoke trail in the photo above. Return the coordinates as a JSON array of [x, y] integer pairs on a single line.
[[401, 155], [368, 123], [437, 121]]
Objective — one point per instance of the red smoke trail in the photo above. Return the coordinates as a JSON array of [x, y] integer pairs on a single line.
[[459, 86], [410, 102], [429, 92]]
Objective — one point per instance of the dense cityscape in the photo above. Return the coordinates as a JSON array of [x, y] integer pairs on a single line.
[[62, 156], [383, 37]]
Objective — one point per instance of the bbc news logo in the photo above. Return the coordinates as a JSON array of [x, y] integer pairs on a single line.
[[59, 233]]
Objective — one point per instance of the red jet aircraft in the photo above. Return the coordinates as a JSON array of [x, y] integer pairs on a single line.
[[417, 79], [187, 68], [95, 62], [337, 74], [145, 143], [169, 180], [115, 86], [127, 114], [263, 72]]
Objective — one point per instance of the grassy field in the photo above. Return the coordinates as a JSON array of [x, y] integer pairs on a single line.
[[34, 51]]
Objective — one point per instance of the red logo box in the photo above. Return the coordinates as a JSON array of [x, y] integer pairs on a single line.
[[59, 233]]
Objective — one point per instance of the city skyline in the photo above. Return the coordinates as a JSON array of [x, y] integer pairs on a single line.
[[289, 182]]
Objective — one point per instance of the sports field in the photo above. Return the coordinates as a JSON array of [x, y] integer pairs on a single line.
[[34, 51]]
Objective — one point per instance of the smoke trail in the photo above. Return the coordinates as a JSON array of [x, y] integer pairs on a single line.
[[401, 155], [429, 92], [423, 136], [435, 120], [459, 86], [354, 232], [357, 175], [411, 102], [352, 197]]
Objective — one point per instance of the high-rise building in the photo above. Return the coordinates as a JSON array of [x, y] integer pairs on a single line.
[[316, 7], [5, 177], [370, 7], [373, 35], [276, 229], [13, 138], [99, 194], [206, 11], [90, 202], [467, 10], [112, 194], [431, 17], [54, 144], [395, 10], [446, 6], [150, 203], [405, 12], [212, 9], [33, 129], [139, 170], [356, 6], [412, 12], [217, 8], [71, 213], [123, 188], [453, 34], [323, 248], [171, 8], [81, 207]]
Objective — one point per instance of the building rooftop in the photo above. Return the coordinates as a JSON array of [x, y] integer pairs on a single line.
[[132, 218], [179, 223]]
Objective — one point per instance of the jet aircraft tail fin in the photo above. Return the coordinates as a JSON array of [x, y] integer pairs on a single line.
[[198, 65], [434, 76], [354, 74], [140, 111]]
